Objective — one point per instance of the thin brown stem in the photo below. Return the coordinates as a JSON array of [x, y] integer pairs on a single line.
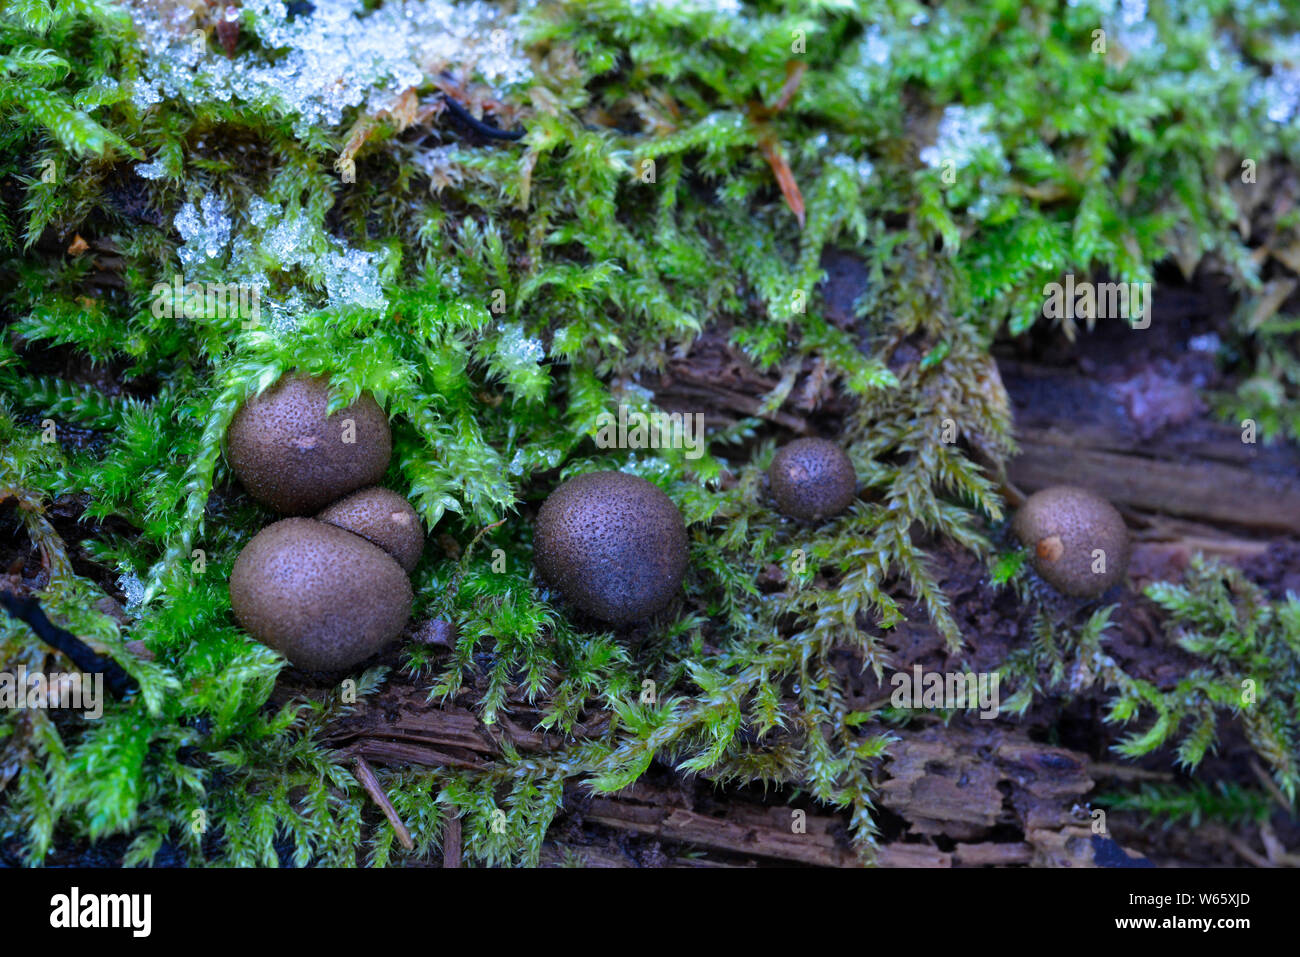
[[366, 775]]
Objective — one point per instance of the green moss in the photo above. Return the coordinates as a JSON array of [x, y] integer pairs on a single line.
[[1246, 668], [1174, 804], [1100, 163]]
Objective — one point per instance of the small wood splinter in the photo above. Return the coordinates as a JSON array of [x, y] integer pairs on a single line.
[[366, 775]]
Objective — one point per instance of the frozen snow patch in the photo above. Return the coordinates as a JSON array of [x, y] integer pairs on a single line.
[[130, 585], [963, 134], [154, 170], [205, 229], [339, 56]]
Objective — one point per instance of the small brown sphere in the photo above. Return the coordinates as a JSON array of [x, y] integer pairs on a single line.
[[383, 518], [1077, 541], [812, 479], [290, 456], [613, 544], [323, 597]]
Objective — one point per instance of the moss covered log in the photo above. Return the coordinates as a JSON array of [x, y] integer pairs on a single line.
[[193, 204]]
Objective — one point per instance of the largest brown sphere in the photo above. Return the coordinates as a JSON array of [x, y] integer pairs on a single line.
[[292, 457], [323, 597], [613, 544]]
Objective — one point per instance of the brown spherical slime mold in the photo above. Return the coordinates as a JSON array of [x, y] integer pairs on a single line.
[[383, 518], [812, 480], [289, 455], [322, 596], [1077, 541], [613, 544]]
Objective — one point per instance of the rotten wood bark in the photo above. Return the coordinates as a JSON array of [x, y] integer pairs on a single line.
[[401, 727], [451, 843], [780, 833], [718, 380], [948, 783], [963, 783]]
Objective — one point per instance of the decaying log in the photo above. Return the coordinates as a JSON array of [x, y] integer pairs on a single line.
[[950, 782], [992, 854], [1076, 430], [717, 380], [561, 854], [962, 783], [1068, 847], [781, 833], [953, 783], [402, 727]]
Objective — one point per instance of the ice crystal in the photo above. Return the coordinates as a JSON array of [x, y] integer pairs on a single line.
[[1127, 20], [989, 195], [260, 212], [963, 134], [304, 257], [871, 69], [314, 67], [726, 8], [205, 229], [1132, 12], [639, 391], [282, 316], [534, 460], [352, 278], [289, 241], [1279, 92], [130, 585], [874, 48], [1282, 93], [861, 168], [154, 170], [648, 468], [516, 465], [516, 349], [1135, 33]]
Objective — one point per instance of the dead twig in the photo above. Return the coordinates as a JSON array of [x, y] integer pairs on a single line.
[[27, 609], [366, 775], [451, 843], [1242, 848], [1270, 785], [760, 115]]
